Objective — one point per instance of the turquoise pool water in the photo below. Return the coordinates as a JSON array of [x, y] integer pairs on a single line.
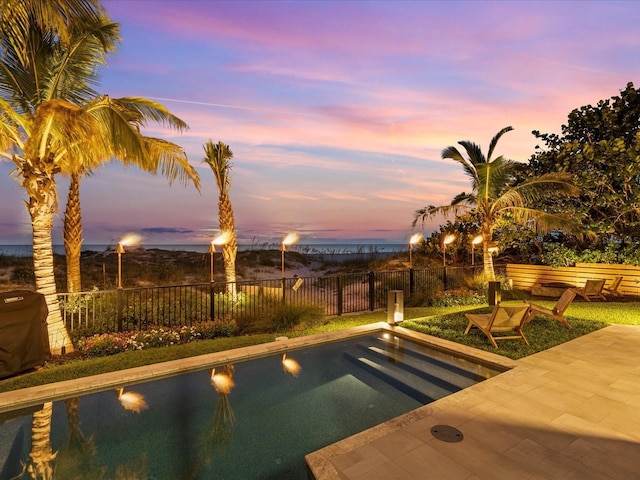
[[252, 420]]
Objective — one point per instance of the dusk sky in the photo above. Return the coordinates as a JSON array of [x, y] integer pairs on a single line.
[[337, 111]]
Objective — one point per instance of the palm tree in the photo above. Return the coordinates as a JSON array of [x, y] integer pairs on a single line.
[[159, 155], [496, 196], [53, 122], [218, 157], [42, 45]]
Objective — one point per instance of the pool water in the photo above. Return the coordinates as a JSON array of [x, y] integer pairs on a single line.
[[255, 420]]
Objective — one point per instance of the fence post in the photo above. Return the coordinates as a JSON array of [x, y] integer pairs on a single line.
[[372, 291], [119, 309], [412, 281], [284, 283], [339, 293], [212, 301]]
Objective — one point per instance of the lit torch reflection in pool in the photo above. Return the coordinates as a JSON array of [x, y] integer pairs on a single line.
[[132, 401], [290, 365], [222, 382]]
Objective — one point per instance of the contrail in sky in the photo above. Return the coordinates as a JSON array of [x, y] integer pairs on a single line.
[[235, 107]]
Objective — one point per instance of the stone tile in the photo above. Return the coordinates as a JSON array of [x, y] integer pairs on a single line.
[[596, 454], [396, 444], [427, 463], [359, 462]]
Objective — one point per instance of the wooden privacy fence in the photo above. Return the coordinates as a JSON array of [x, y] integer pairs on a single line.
[[524, 277]]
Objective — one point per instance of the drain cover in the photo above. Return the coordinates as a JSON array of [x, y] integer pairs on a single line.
[[447, 433]]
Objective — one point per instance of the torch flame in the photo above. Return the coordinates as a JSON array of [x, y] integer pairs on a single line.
[[130, 239], [222, 239], [290, 239]]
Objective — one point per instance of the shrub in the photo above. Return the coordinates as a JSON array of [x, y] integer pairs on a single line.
[[104, 344], [215, 328], [154, 337], [275, 316], [458, 297]]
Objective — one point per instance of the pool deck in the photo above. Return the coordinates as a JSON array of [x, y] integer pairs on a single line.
[[570, 412]]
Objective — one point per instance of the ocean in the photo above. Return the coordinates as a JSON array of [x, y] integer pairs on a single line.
[[315, 249]]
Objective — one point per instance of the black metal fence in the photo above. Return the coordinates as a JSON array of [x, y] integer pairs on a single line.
[[177, 305]]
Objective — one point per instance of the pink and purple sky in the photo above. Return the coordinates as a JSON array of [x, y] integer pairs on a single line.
[[337, 111]]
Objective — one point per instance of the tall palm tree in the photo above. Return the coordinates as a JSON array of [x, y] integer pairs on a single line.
[[41, 127], [218, 157], [53, 122], [495, 195]]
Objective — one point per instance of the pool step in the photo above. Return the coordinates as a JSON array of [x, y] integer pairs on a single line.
[[427, 371], [455, 365], [418, 374], [401, 381]]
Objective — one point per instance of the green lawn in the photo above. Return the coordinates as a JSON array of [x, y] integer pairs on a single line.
[[444, 322]]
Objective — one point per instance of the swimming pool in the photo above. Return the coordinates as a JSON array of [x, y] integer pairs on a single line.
[[255, 419]]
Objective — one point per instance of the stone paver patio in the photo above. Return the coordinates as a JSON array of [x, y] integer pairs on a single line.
[[570, 412]]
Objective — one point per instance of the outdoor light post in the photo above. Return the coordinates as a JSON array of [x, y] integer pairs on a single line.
[[221, 239], [447, 240], [414, 240], [288, 240], [212, 250], [120, 251], [476, 241]]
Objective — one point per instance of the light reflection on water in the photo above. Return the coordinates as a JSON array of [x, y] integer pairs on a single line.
[[251, 420]]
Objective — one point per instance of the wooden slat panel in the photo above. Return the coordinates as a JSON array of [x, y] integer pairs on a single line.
[[525, 276]]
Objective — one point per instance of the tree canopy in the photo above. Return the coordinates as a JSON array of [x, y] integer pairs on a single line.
[[600, 147]]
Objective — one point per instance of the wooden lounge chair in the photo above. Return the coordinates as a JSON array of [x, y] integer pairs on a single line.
[[612, 289], [557, 312], [502, 319], [592, 289]]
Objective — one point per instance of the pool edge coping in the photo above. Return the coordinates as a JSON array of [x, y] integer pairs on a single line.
[[33, 396]]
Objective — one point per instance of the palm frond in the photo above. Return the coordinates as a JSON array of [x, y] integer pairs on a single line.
[[172, 162], [140, 111], [544, 222], [469, 168], [494, 141], [218, 157], [431, 211]]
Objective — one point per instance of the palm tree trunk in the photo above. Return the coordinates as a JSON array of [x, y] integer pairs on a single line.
[[230, 249], [41, 190], [40, 463], [489, 273], [73, 235]]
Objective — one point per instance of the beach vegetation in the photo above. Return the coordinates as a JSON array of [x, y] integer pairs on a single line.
[[497, 196]]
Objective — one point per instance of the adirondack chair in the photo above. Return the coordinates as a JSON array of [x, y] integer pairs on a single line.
[[612, 289], [592, 289], [557, 312], [502, 319]]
